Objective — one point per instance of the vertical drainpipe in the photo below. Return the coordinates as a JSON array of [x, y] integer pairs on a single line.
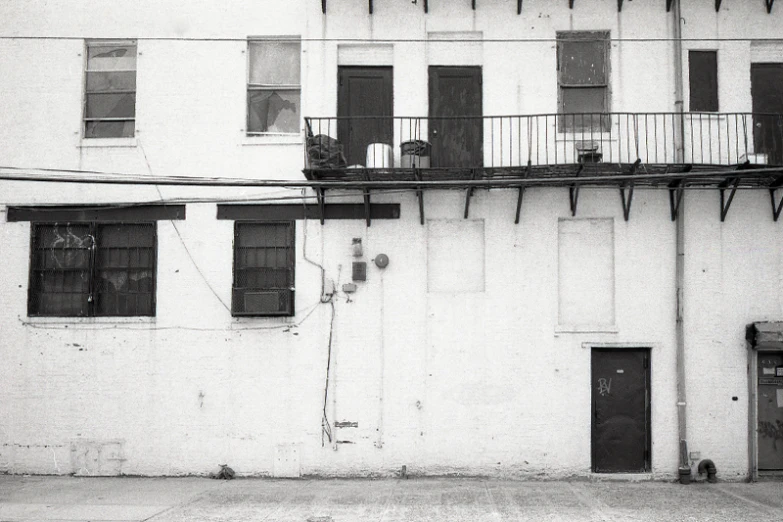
[[680, 241]]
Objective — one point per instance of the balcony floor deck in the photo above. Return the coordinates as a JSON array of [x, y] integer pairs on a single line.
[[585, 174]]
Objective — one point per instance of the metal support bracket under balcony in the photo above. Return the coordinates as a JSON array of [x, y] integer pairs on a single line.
[[769, 5], [724, 185], [469, 194], [426, 10], [522, 192], [726, 203], [777, 206], [519, 6], [669, 5], [676, 190], [420, 196], [573, 192], [366, 194], [717, 5], [627, 200]]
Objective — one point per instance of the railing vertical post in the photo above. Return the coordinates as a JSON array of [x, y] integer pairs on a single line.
[[745, 133]]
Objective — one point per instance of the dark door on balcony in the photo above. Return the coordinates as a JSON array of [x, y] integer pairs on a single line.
[[365, 99], [455, 125], [621, 410], [766, 85]]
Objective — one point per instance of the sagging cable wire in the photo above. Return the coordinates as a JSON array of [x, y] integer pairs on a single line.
[[179, 235], [326, 427]]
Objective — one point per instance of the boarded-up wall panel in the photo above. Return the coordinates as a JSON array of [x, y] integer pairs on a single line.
[[586, 272]]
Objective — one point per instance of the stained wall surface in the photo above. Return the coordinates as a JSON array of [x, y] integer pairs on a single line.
[[446, 364]]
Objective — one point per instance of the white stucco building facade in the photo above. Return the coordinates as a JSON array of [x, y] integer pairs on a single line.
[[478, 349]]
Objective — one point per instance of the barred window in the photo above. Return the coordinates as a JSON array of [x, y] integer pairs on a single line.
[[92, 269], [110, 94], [263, 269], [583, 80], [273, 88]]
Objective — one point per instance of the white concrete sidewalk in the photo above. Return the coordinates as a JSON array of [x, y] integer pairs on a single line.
[[60, 499]]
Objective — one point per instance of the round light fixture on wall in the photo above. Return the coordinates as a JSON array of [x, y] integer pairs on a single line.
[[381, 260]]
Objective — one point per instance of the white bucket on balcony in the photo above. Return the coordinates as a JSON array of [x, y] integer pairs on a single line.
[[379, 156]]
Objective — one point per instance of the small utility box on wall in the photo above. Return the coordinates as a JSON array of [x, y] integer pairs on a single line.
[[359, 271]]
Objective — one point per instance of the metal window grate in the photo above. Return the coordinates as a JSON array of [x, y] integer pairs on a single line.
[[92, 269], [263, 269]]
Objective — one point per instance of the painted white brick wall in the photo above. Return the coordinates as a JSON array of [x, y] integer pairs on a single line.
[[442, 383]]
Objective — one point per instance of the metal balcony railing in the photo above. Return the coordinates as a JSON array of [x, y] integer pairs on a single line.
[[498, 143]]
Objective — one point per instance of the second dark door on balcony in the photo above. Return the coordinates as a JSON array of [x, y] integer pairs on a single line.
[[455, 125], [365, 101], [766, 84]]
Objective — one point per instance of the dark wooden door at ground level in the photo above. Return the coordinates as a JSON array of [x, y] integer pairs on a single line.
[[766, 86], [455, 124], [770, 411], [365, 98], [620, 385]]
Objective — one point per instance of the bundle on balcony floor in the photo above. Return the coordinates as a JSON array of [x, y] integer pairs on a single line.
[[324, 152]]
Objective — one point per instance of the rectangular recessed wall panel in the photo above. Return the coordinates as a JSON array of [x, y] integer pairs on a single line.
[[586, 272], [455, 255]]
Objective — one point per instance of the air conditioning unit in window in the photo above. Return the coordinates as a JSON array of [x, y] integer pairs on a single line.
[[266, 302]]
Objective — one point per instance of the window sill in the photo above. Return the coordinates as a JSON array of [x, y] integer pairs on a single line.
[[273, 139], [586, 328], [89, 143], [89, 320]]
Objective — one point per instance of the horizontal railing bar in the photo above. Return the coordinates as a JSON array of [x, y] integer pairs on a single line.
[[541, 115]]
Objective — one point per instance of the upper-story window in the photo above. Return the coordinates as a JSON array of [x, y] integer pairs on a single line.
[[583, 80], [110, 94], [273, 88], [703, 76]]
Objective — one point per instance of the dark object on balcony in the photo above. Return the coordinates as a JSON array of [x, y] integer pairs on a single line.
[[325, 152], [415, 154], [588, 152]]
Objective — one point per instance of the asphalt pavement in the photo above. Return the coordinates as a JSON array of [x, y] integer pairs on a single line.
[[79, 499]]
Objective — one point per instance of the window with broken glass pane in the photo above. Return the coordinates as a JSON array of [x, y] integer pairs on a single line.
[[110, 94], [92, 269], [583, 80], [273, 89]]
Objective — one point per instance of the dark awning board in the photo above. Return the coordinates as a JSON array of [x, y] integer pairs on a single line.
[[109, 212], [294, 212]]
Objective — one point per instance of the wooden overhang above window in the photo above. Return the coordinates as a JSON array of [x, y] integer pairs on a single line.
[[282, 212], [108, 212], [425, 5]]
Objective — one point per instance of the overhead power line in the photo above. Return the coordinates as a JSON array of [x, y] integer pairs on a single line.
[[122, 179]]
